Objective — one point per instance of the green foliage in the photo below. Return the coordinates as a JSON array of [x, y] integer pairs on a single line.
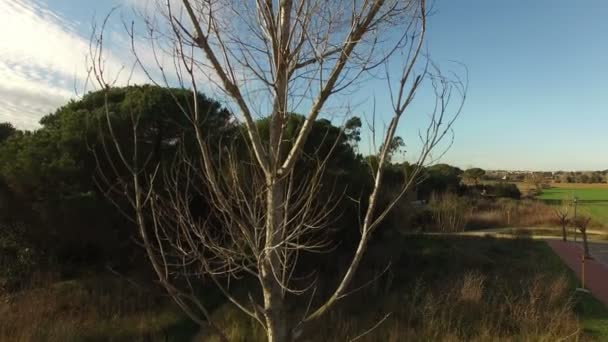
[[500, 190], [352, 130], [474, 174], [396, 146], [53, 172], [346, 175], [440, 178], [7, 130], [52, 180], [17, 258], [506, 190]]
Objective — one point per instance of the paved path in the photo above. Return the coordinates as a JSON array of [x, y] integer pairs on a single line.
[[600, 252], [596, 272], [540, 233]]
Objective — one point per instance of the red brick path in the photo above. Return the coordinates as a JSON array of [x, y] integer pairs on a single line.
[[596, 273]]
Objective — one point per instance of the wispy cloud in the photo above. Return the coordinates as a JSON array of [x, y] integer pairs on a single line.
[[43, 56], [42, 61]]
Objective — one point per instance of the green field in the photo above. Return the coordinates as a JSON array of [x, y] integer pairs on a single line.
[[591, 201]]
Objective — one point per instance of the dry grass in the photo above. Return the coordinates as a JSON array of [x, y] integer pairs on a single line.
[[438, 289], [515, 213], [464, 309], [448, 289], [93, 309], [525, 187], [467, 310], [512, 213], [449, 212]]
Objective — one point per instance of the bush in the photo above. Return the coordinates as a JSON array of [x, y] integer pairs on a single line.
[[506, 190], [422, 219], [500, 190], [17, 258]]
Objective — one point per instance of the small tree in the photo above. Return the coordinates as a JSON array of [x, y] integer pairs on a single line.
[[536, 179], [269, 59], [581, 223], [562, 213], [6, 130], [474, 174]]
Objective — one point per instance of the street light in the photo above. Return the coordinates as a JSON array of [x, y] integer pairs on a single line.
[[575, 205]]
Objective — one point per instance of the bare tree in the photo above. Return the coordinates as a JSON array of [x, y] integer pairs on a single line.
[[562, 213], [537, 179], [270, 58], [581, 222]]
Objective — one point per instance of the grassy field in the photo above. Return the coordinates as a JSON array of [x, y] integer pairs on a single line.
[[437, 289], [593, 198]]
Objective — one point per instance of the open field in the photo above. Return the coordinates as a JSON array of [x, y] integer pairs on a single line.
[[580, 185], [439, 288], [592, 198]]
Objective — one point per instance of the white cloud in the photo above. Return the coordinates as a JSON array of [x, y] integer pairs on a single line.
[[43, 61], [43, 57]]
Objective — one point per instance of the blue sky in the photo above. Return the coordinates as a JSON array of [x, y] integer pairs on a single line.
[[538, 74], [538, 81]]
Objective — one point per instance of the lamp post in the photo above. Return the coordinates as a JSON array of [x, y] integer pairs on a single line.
[[575, 205]]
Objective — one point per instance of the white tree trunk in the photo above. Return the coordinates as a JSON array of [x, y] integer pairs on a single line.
[[274, 310]]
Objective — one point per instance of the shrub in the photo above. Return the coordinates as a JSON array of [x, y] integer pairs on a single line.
[[421, 219], [506, 190], [17, 258]]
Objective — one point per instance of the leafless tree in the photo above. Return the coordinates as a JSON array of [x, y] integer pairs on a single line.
[[270, 58], [562, 213], [581, 222], [537, 179]]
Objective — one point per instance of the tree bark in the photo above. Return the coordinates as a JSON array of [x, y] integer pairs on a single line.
[[564, 231], [585, 244], [274, 311]]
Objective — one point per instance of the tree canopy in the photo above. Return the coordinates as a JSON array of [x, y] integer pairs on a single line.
[[474, 174], [53, 172]]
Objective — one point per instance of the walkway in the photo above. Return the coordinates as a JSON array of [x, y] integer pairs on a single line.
[[596, 273], [599, 251]]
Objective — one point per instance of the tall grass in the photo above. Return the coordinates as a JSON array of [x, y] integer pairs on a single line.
[[91, 309], [464, 308], [450, 213], [511, 213], [445, 289]]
